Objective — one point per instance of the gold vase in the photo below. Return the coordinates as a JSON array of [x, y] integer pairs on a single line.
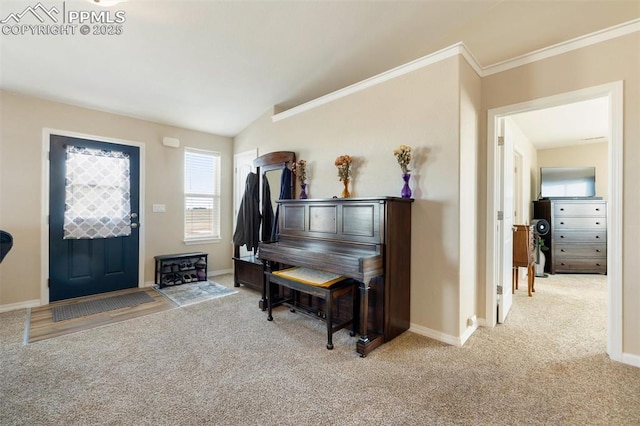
[[345, 191]]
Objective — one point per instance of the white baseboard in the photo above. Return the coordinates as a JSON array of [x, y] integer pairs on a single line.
[[433, 334], [443, 337], [468, 332], [220, 272], [20, 305], [631, 359]]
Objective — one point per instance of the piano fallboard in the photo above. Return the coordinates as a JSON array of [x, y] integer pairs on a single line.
[[353, 261]]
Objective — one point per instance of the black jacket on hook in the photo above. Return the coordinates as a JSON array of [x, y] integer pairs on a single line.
[[285, 194], [248, 223], [267, 210]]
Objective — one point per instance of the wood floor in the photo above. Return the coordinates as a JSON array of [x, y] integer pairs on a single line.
[[42, 326]]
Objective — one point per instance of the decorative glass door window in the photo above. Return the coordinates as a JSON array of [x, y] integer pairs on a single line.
[[97, 194]]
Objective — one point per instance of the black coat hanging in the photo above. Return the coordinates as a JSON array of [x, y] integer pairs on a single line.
[[248, 221], [285, 194]]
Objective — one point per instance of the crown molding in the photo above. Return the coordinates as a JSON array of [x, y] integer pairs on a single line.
[[460, 49], [440, 55], [564, 47]]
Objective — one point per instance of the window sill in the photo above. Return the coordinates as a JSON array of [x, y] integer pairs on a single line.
[[196, 241]]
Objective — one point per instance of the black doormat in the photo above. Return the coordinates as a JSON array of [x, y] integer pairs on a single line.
[[90, 307]]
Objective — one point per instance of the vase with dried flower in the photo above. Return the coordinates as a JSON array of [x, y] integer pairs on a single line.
[[403, 155], [299, 168], [343, 163]]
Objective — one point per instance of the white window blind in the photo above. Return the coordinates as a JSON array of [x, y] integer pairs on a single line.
[[201, 195]]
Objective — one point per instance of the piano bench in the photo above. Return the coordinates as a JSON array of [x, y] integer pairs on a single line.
[[329, 294]]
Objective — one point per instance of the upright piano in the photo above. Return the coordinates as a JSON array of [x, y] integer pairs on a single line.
[[366, 239]]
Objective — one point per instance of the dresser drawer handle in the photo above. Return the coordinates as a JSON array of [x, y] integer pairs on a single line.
[[597, 209], [597, 223], [597, 250], [562, 263], [597, 264], [561, 236], [562, 209], [562, 250], [561, 223], [597, 236]]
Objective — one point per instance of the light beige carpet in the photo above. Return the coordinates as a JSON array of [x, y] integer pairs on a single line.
[[221, 362]]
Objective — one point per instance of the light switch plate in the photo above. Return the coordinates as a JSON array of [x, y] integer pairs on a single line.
[[159, 208]]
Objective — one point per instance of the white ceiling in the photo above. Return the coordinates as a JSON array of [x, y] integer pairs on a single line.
[[572, 124], [216, 66]]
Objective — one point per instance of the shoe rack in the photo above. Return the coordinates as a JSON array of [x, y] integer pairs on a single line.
[[181, 268]]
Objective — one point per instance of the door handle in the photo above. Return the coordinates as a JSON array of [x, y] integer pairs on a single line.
[[134, 215], [134, 225]]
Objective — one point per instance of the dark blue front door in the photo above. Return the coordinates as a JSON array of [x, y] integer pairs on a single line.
[[93, 217]]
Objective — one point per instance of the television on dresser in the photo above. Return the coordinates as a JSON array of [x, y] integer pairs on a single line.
[[567, 182]]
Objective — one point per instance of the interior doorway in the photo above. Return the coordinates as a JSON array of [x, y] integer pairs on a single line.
[[613, 93]]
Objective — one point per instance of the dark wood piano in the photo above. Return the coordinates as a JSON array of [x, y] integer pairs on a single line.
[[366, 239]]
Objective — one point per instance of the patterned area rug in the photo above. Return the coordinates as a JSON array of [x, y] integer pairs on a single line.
[[91, 307], [188, 294]]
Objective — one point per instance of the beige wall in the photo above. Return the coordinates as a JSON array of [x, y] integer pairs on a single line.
[[22, 121], [421, 109], [606, 62], [470, 101], [585, 155]]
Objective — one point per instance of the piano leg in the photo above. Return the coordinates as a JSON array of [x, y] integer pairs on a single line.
[[263, 304], [364, 313], [366, 342], [268, 285], [329, 320]]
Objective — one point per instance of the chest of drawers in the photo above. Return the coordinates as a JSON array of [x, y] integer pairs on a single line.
[[577, 237]]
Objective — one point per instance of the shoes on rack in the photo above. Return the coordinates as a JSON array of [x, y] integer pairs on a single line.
[[186, 265], [173, 279]]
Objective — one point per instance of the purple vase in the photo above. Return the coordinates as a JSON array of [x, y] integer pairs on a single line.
[[303, 191], [406, 191]]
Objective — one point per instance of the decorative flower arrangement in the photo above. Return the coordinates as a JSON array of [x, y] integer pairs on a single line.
[[403, 155], [299, 168], [343, 163]]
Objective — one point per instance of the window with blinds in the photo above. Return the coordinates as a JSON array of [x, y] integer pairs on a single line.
[[201, 195]]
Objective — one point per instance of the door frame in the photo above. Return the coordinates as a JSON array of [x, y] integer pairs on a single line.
[[614, 92], [44, 204]]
